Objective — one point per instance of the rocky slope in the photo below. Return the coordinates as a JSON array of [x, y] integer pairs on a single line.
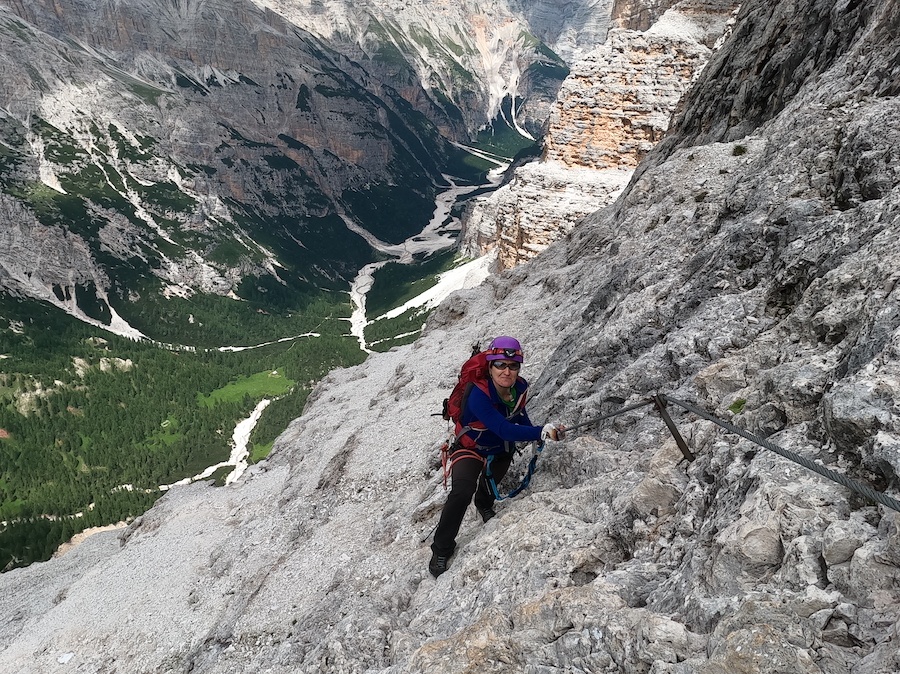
[[749, 268]]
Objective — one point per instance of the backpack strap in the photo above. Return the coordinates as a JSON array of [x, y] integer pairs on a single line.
[[461, 439]]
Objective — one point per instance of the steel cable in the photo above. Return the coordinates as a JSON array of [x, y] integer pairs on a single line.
[[865, 490], [643, 403]]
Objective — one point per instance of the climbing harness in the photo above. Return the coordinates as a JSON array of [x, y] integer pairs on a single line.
[[532, 466], [452, 450]]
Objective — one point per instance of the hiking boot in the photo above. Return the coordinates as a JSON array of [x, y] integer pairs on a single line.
[[438, 564], [486, 513]]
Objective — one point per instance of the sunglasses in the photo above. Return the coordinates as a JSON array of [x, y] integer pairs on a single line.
[[500, 365]]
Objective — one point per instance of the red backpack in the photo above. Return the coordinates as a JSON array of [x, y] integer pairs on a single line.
[[474, 372]]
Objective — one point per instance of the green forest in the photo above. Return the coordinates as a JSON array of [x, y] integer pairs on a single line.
[[92, 424]]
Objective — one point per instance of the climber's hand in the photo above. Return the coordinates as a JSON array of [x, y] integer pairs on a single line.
[[553, 432]]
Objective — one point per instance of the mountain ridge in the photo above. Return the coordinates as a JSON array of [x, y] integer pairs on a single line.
[[197, 154]]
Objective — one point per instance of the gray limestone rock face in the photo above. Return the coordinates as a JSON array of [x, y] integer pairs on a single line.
[[182, 130], [571, 27], [40, 257]]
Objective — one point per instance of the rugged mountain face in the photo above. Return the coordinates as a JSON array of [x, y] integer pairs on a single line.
[[467, 56], [617, 104], [540, 204], [638, 15], [748, 269], [611, 110], [170, 158], [219, 147], [583, 26]]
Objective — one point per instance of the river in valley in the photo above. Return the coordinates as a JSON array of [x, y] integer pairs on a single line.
[[441, 233]]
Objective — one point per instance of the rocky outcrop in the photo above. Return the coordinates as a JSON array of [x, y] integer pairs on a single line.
[[615, 106], [638, 15], [41, 258], [611, 110], [541, 203]]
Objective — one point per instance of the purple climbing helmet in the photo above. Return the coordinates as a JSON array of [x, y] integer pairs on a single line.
[[505, 348]]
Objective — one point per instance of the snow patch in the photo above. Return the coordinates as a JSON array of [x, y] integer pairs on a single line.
[[469, 275]]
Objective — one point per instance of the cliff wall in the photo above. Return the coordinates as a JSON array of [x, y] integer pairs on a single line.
[[614, 106]]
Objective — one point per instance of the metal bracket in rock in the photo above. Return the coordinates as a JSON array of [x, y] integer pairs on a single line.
[[660, 402]]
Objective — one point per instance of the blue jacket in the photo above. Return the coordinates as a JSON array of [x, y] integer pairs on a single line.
[[501, 431]]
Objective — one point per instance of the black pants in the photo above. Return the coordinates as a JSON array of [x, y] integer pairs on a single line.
[[467, 479]]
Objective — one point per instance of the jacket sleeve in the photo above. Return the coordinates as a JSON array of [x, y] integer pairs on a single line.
[[483, 410]]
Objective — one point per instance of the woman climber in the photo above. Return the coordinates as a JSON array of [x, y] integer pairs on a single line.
[[491, 419]]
